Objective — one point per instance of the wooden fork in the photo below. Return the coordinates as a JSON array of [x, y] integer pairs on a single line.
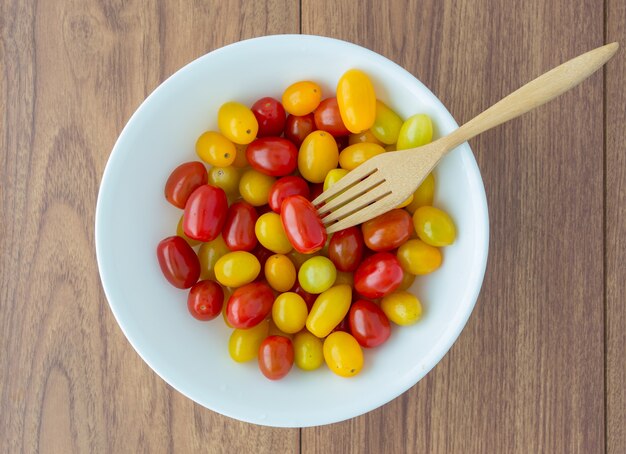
[[386, 180]]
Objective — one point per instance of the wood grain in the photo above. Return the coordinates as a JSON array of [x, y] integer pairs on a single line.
[[526, 374], [71, 74], [615, 191]]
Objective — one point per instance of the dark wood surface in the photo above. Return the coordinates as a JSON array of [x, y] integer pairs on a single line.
[[540, 366]]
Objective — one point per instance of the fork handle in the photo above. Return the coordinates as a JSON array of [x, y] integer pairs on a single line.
[[535, 93]]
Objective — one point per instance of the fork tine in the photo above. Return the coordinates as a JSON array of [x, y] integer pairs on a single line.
[[362, 215], [352, 192], [360, 202], [362, 171]]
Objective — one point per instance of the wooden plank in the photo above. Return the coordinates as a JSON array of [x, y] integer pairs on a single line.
[[527, 373], [615, 190], [71, 74]]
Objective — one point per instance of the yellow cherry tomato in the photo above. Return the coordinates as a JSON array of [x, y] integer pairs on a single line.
[[215, 149], [298, 258], [237, 123], [181, 233], [271, 234], [317, 274], [302, 98], [329, 310], [237, 268], [255, 186], [344, 277], [417, 257], [354, 155], [333, 177], [343, 354], [365, 136], [318, 155], [423, 195], [402, 308], [307, 351], [280, 272], [289, 312], [244, 344], [209, 254], [407, 202], [357, 100], [407, 280], [434, 226], [415, 132], [226, 178], [387, 124], [276, 331], [227, 293], [241, 160]]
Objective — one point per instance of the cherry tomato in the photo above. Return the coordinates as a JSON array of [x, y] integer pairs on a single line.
[[434, 226], [205, 300], [215, 149], [343, 354], [178, 262], [226, 178], [346, 249], [283, 188], [387, 231], [353, 156], [302, 98], [205, 213], [316, 189], [344, 278], [249, 305], [357, 100], [342, 142], [227, 292], [378, 275], [271, 233], [386, 127], [328, 118], [415, 132], [333, 177], [275, 357], [273, 156], [255, 186], [344, 325], [329, 310], [417, 257], [185, 179], [308, 351], [402, 308], [289, 312], [209, 254], [364, 137], [298, 128], [423, 195], [238, 230], [270, 115], [181, 233], [308, 298], [237, 268], [240, 157], [280, 273], [368, 324], [262, 254], [317, 274], [318, 155], [237, 123], [244, 344], [302, 225]]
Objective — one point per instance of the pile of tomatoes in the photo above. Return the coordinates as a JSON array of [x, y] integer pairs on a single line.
[[251, 246]]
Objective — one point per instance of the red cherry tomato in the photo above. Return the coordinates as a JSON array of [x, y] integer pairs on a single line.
[[302, 225], [284, 187], [270, 115], [344, 325], [249, 305], [275, 357], [262, 254], [273, 156], [316, 189], [205, 213], [368, 324], [342, 142], [185, 179], [345, 249], [378, 275], [388, 231], [205, 300], [328, 118], [238, 231], [297, 128], [179, 263], [308, 298]]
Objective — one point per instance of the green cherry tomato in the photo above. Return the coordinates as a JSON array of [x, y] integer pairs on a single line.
[[415, 132], [317, 274], [209, 254], [423, 195], [434, 226], [386, 127], [244, 344]]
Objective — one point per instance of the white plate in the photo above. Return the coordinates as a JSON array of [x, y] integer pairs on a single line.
[[132, 216]]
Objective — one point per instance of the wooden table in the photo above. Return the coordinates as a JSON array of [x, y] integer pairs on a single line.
[[540, 366]]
